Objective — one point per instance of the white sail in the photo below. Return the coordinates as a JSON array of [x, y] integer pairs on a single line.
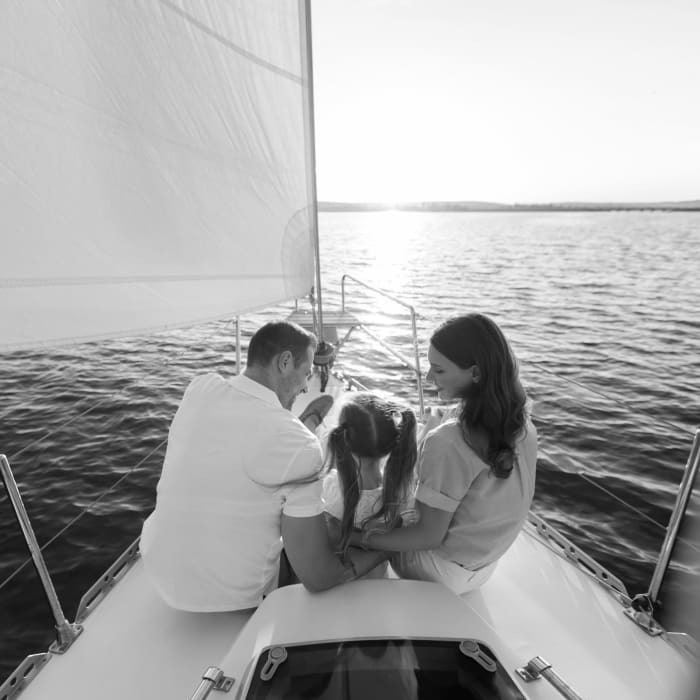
[[154, 164]]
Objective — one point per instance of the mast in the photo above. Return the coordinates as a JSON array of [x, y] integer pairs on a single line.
[[311, 168]]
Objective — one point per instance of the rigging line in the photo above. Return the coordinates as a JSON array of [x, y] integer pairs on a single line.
[[229, 44], [42, 377], [665, 422], [59, 427], [679, 538], [165, 363], [87, 508], [587, 475], [587, 478]]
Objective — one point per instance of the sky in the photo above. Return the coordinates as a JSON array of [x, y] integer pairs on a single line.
[[507, 100]]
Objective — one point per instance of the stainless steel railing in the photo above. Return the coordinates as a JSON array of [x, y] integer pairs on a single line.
[[66, 632], [415, 367], [684, 492], [645, 608]]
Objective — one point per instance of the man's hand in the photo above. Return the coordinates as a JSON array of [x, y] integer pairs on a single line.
[[434, 415]]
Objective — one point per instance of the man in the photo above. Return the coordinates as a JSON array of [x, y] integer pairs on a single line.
[[239, 472]]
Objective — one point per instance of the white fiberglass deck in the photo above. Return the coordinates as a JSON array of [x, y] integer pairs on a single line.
[[536, 603], [134, 646]]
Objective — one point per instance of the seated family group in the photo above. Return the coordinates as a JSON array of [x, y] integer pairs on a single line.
[[250, 499]]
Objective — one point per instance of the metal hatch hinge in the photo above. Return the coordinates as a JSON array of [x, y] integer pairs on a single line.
[[471, 649], [212, 679], [537, 667], [275, 657]]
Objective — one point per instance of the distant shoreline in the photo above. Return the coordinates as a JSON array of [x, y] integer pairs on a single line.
[[496, 207]]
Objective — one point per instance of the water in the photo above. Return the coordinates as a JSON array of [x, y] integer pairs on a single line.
[[601, 309]]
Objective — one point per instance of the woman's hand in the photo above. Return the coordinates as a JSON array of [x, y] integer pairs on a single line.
[[358, 538]]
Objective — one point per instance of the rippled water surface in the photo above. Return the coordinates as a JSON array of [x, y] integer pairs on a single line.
[[601, 308]]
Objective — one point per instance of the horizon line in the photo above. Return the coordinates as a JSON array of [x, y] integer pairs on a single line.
[[687, 204]]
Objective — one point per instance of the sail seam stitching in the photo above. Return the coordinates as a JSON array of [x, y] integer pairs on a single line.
[[229, 44], [78, 281]]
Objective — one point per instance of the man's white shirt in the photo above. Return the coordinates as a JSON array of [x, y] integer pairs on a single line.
[[236, 460]]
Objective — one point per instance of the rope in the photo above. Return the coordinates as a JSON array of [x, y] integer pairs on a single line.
[[59, 427], [618, 402], [685, 540], [46, 375], [587, 478], [105, 492], [588, 475], [83, 512]]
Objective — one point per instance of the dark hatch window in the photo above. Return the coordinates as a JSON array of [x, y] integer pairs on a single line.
[[382, 670]]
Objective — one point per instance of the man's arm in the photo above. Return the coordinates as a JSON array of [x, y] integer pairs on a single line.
[[434, 415], [311, 554]]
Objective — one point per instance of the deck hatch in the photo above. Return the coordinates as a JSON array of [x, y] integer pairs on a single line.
[[384, 668]]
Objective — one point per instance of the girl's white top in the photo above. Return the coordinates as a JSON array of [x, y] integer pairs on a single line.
[[368, 505]]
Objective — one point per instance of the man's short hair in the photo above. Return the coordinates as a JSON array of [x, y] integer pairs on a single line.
[[276, 337]]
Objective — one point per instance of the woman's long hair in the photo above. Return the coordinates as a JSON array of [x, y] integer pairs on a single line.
[[371, 427], [497, 404]]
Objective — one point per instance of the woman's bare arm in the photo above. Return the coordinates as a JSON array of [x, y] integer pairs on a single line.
[[427, 533], [312, 556]]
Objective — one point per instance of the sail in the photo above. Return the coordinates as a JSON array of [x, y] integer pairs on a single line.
[[155, 164]]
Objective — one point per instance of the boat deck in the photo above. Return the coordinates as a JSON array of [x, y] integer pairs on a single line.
[[135, 646], [536, 603]]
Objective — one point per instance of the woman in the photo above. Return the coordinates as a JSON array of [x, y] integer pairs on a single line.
[[476, 469]]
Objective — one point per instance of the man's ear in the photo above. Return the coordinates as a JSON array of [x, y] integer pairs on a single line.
[[285, 361]]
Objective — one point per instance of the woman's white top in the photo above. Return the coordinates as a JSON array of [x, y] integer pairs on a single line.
[[488, 512]]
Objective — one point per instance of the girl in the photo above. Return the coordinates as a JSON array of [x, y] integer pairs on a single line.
[[476, 469], [357, 491]]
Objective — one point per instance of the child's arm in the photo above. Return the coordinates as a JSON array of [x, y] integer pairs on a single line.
[[364, 561], [427, 533]]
